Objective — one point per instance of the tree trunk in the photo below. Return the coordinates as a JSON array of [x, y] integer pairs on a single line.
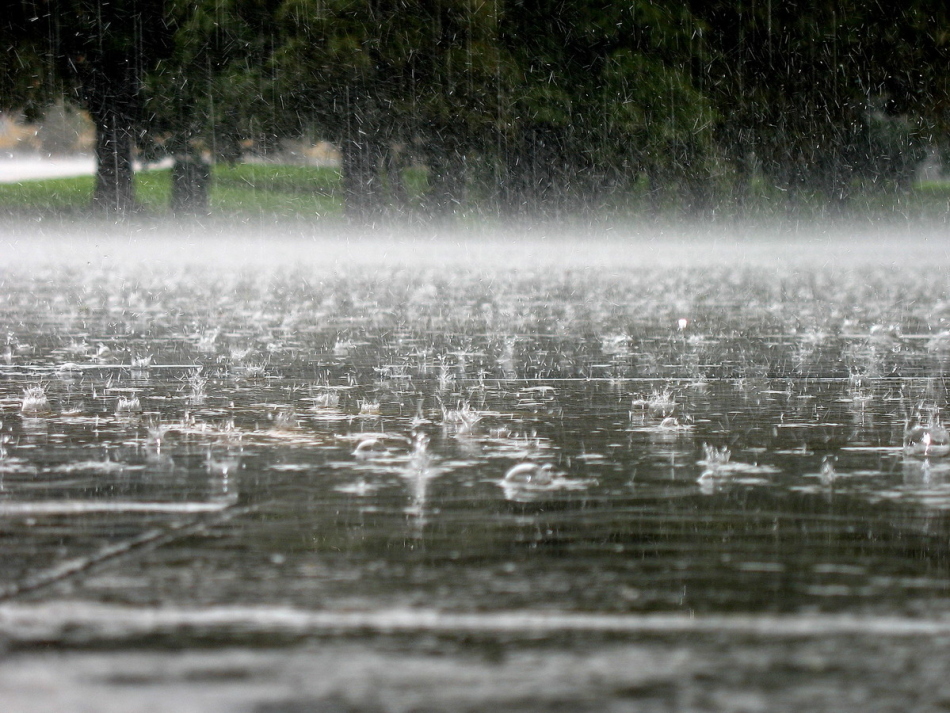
[[110, 93], [191, 180], [362, 191], [742, 183], [657, 183], [105, 47], [698, 199], [446, 192], [533, 169], [114, 191]]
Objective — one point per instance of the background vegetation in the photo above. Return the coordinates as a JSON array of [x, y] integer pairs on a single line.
[[500, 106]]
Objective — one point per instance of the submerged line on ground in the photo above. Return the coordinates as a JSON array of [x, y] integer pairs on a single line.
[[80, 507], [89, 622], [151, 539]]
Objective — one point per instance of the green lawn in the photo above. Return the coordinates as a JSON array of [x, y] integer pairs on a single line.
[[243, 190], [249, 191], [54, 194], [288, 191]]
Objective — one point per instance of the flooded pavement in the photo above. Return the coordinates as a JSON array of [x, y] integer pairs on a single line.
[[651, 474]]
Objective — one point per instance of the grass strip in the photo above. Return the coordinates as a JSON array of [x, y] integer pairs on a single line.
[[255, 191]]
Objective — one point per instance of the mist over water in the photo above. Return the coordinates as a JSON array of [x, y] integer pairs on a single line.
[[217, 244]]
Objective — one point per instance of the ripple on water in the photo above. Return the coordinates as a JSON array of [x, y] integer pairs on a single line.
[[569, 419]]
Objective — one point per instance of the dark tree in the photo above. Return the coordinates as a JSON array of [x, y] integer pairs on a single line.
[[390, 81], [214, 94], [105, 49], [827, 95], [532, 105], [95, 53], [603, 94], [27, 73]]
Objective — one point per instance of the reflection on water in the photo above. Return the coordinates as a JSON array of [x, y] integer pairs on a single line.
[[712, 440]]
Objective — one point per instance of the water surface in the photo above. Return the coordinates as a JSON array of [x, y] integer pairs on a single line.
[[636, 425]]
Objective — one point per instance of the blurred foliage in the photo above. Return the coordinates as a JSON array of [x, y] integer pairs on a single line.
[[518, 105], [392, 82], [822, 93], [27, 75], [209, 96], [95, 53]]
